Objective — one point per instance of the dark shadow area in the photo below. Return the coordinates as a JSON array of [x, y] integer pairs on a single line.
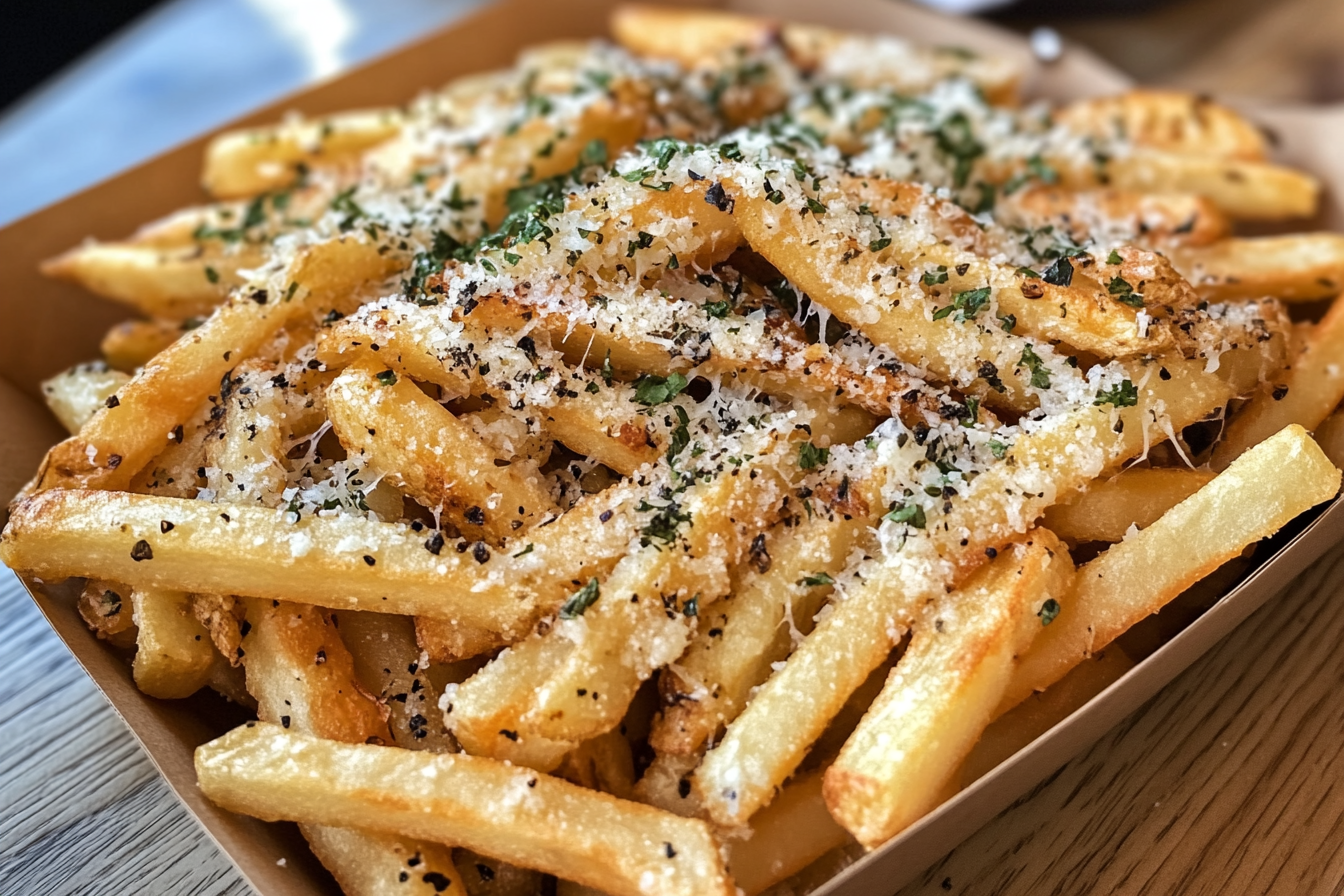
[[40, 37]]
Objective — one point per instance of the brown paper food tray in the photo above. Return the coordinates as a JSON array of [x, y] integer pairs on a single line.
[[53, 325]]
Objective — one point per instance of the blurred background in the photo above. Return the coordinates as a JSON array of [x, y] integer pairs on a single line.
[[89, 87]]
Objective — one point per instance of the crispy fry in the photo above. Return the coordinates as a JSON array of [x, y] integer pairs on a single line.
[[1136, 497], [106, 609], [742, 637], [432, 455], [549, 825], [75, 395], [1296, 268], [576, 681], [1173, 219], [942, 694], [133, 344], [1330, 436], [387, 662], [1168, 120], [1251, 191], [1259, 493], [244, 163], [1308, 391], [691, 37], [173, 655], [118, 441], [793, 832], [171, 283]]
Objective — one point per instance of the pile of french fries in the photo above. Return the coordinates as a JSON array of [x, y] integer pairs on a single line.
[[667, 465]]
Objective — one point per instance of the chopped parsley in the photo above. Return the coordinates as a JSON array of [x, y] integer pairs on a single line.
[[1125, 395], [581, 600], [1040, 377], [909, 513], [651, 390], [810, 456], [817, 579], [966, 304], [1049, 610], [1124, 293]]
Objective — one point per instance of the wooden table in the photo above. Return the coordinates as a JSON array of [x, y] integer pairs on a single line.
[[1230, 781]]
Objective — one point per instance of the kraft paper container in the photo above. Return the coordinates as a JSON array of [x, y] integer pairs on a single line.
[[51, 325]]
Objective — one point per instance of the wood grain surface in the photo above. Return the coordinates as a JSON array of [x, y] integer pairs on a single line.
[[1229, 781]]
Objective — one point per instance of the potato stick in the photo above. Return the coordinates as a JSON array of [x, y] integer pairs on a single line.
[[1136, 497], [942, 694], [173, 655], [1330, 436], [765, 744], [514, 814], [171, 283], [119, 440], [304, 678], [1311, 388], [780, 233], [245, 162], [403, 338], [75, 395], [578, 679], [1082, 314], [1296, 268], [195, 546], [387, 663], [1252, 499], [866, 60], [1251, 191], [245, 453], [106, 610], [621, 641], [1040, 712], [1169, 120], [1173, 219], [366, 863], [768, 740], [741, 637], [502, 163], [666, 783], [134, 343], [432, 455], [791, 833], [691, 37], [799, 368], [603, 763], [452, 640]]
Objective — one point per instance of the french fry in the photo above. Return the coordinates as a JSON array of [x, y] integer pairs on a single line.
[[107, 610], [666, 783], [1296, 268], [1169, 120], [1136, 497], [387, 663], [576, 681], [134, 343], [603, 763], [1040, 712], [550, 825], [174, 654], [75, 395], [244, 163], [764, 745], [740, 638], [173, 283], [942, 694], [1250, 191], [304, 678], [120, 440], [791, 833], [691, 37], [1330, 436], [195, 546], [1176, 220], [432, 455], [1309, 390], [379, 864], [1252, 499]]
